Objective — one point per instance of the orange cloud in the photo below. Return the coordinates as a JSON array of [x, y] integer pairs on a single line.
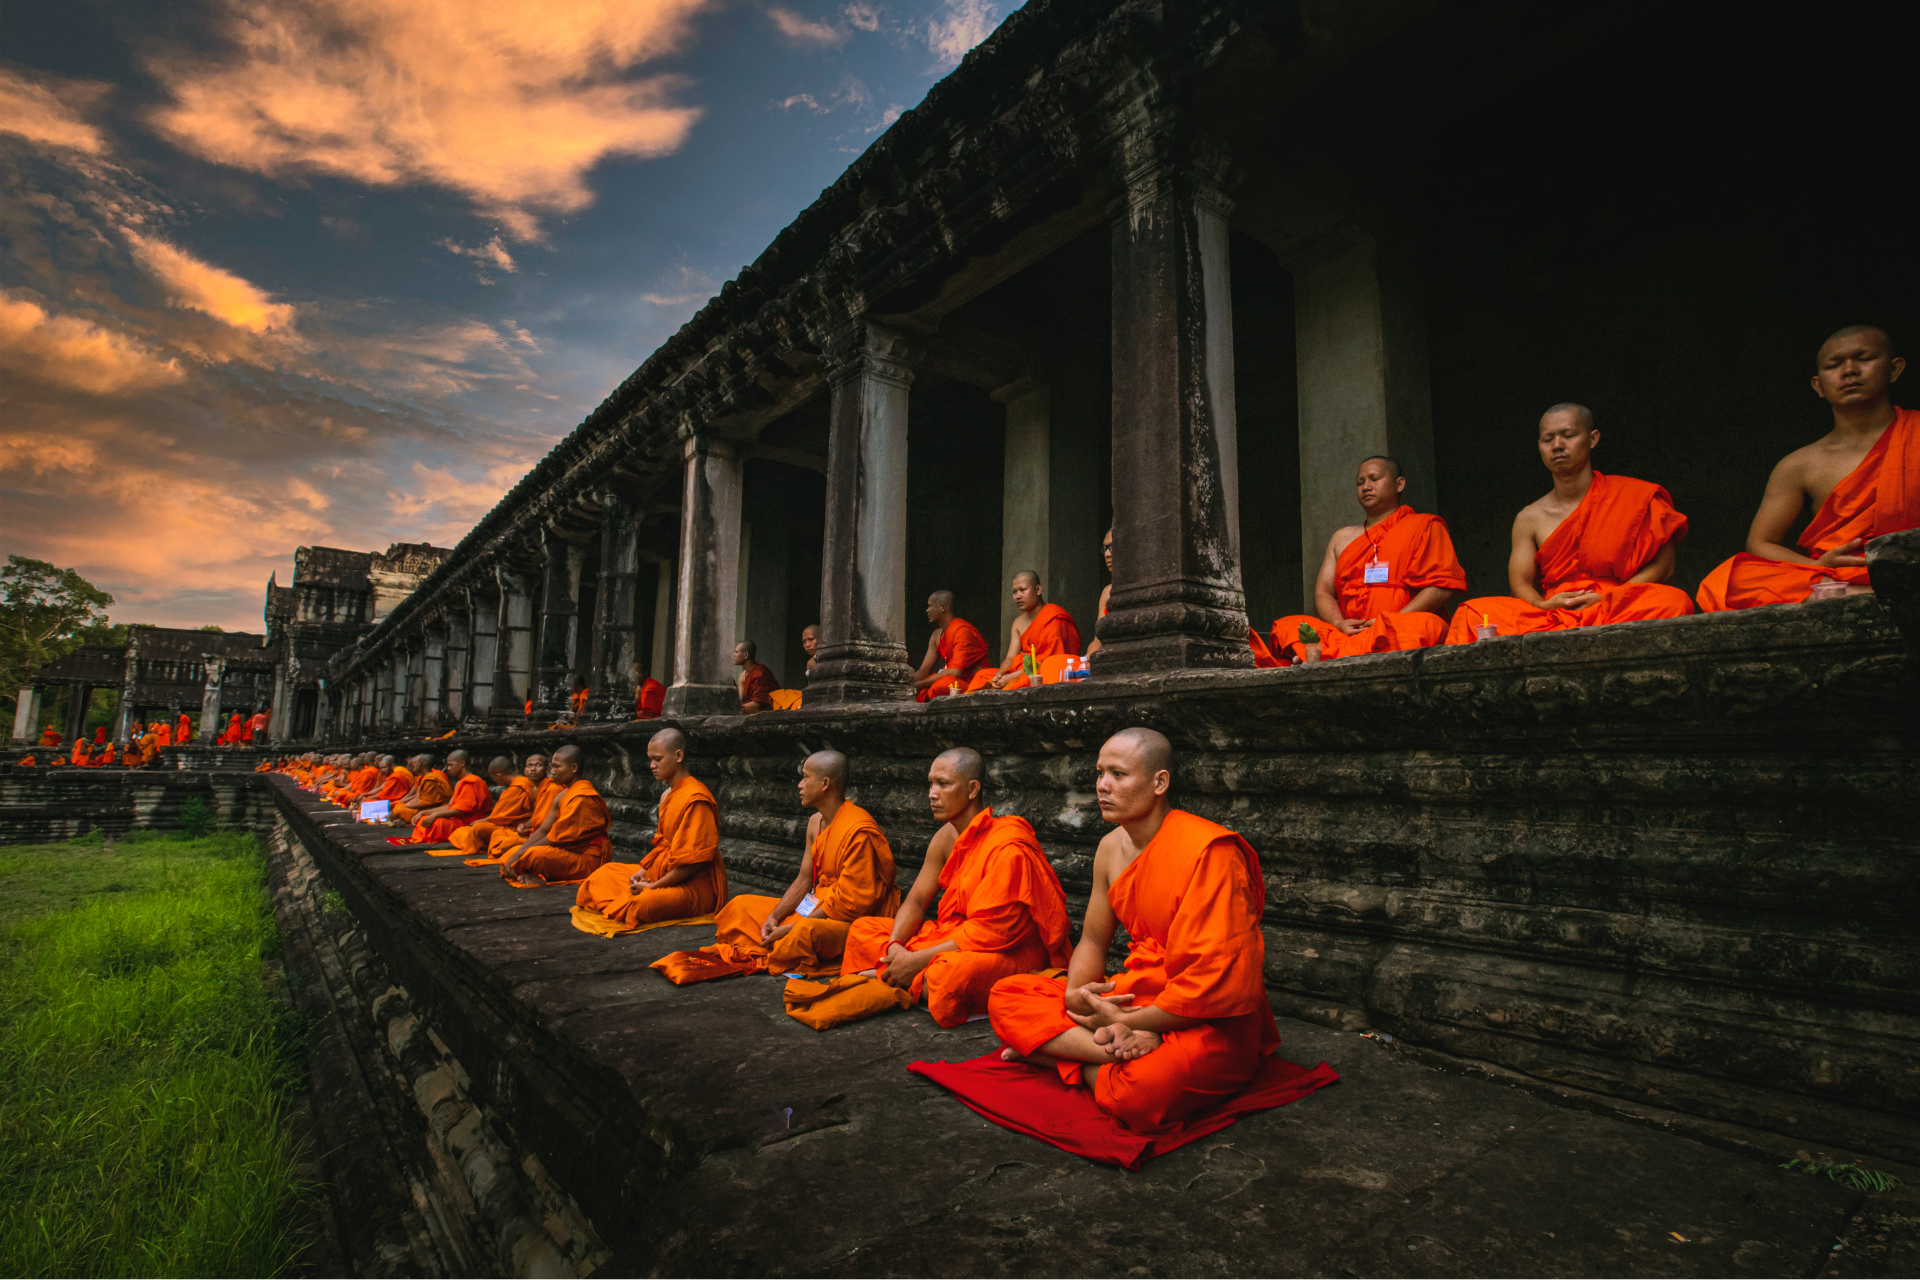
[[49, 111], [795, 27], [76, 353], [203, 287], [510, 102]]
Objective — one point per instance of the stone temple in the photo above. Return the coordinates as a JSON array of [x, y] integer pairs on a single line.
[[1174, 267]]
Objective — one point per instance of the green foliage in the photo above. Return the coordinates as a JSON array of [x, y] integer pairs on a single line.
[[144, 1062], [1855, 1175], [45, 612], [197, 817]]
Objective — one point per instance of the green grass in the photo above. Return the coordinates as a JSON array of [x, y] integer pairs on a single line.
[[1855, 1175], [145, 1059]]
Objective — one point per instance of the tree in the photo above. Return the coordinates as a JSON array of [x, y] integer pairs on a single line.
[[45, 612]]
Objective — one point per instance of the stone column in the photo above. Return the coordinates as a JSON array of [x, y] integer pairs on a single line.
[[616, 639], [280, 712], [433, 678], [863, 580], [210, 725], [79, 698], [409, 674], [1177, 600], [709, 587], [559, 622], [483, 610], [459, 667], [513, 673], [323, 714], [25, 712]]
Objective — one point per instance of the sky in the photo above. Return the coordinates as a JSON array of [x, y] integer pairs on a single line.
[[278, 273]]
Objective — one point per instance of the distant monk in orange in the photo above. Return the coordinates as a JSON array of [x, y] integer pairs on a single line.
[[396, 781], [80, 753], [232, 735], [50, 737], [649, 698], [1002, 910], [431, 789], [163, 733], [1385, 582], [847, 873], [1862, 479], [1106, 592], [1186, 1024], [1046, 629], [183, 732], [467, 802], [257, 727], [1597, 549], [572, 843], [955, 652], [100, 735], [546, 793], [683, 877], [756, 684], [514, 806]]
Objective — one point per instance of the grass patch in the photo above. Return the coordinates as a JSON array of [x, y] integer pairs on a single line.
[[1855, 1175], [144, 1062]]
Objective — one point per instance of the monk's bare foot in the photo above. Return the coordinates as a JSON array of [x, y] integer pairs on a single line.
[[528, 882], [1011, 1054]]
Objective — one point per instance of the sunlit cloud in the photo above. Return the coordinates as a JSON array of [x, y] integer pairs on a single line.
[[863, 17], [510, 103], [51, 111], [77, 353], [806, 100], [960, 26], [493, 253], [203, 287], [806, 30]]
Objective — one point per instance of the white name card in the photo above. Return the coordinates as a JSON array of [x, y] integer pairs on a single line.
[[374, 810]]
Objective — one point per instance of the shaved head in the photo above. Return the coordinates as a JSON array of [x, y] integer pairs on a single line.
[[965, 762], [670, 740], [1393, 468], [454, 755], [830, 765], [1580, 412], [570, 754], [1868, 331], [422, 762], [501, 764], [1155, 752], [1029, 575], [941, 599]]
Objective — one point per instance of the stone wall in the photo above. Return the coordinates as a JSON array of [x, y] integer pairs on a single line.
[[46, 803]]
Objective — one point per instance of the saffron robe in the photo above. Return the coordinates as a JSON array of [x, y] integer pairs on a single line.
[[576, 845], [514, 806], [79, 753], [502, 843], [100, 735], [1619, 526], [164, 732], [757, 685], [469, 801], [1000, 903], [650, 701], [1880, 496], [257, 727], [962, 650], [687, 835], [1051, 633], [1190, 903], [183, 731], [49, 737], [232, 735], [433, 791], [852, 877], [1408, 552], [399, 782]]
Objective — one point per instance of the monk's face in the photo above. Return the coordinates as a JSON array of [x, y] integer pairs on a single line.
[[740, 658], [810, 640], [456, 767], [1106, 550], [1565, 445], [535, 767], [949, 794], [1026, 594], [1857, 369], [1377, 487], [814, 787], [564, 771], [663, 762], [935, 612], [1127, 791]]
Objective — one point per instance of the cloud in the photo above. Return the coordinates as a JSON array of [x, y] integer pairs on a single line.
[[863, 17], [49, 111], [806, 30], [683, 285], [510, 103], [77, 353], [962, 25], [492, 253], [203, 287], [806, 100], [887, 117]]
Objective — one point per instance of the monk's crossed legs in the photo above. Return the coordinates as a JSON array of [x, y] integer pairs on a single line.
[[812, 947]]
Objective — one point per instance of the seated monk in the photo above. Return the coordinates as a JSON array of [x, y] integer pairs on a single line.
[[431, 789], [470, 799], [50, 737], [104, 756], [1597, 549], [1042, 629], [514, 806], [755, 683], [546, 793], [810, 645], [1862, 480], [1384, 583], [955, 651], [572, 843], [164, 732], [577, 700], [362, 783], [1106, 592], [683, 877], [649, 696], [847, 873], [80, 753], [1186, 1024], [1001, 912]]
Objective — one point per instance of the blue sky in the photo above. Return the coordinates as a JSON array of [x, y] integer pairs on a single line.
[[284, 272]]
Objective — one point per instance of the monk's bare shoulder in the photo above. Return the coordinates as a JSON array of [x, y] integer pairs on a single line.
[[941, 846], [1537, 519], [1342, 537]]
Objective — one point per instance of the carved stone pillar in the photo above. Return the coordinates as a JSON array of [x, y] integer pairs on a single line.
[[26, 713], [706, 617], [210, 725], [484, 610], [559, 622], [513, 678], [459, 669], [616, 639], [323, 728], [1177, 599], [863, 581], [432, 659]]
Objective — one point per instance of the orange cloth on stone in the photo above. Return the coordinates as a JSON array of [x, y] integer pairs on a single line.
[[1190, 903], [1000, 903], [853, 876], [1878, 497], [434, 790], [1410, 551], [688, 834], [1051, 632], [962, 650], [514, 806], [469, 801], [650, 701], [758, 685], [1620, 525], [575, 845]]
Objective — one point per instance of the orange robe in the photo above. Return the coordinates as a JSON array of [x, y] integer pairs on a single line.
[[514, 806], [852, 877], [1880, 496], [1049, 634], [1190, 903], [576, 845], [49, 737], [397, 785], [1619, 526], [688, 834], [184, 731], [650, 701], [758, 686], [1000, 903], [1403, 555], [232, 734], [164, 732], [578, 702], [469, 801], [434, 790], [80, 753], [257, 727], [504, 840], [962, 649]]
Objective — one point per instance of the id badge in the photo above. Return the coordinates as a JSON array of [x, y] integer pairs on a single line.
[[807, 904], [1376, 573]]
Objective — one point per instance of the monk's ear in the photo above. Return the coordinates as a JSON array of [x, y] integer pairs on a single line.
[[1898, 367], [1162, 782], [974, 789], [1399, 484]]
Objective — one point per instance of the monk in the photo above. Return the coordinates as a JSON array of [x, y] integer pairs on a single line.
[[100, 735], [80, 754], [50, 737], [361, 783], [257, 727], [1045, 630], [183, 732], [514, 806], [232, 735], [1106, 592], [572, 843], [505, 841], [846, 874], [649, 697], [469, 799], [431, 789], [1002, 910], [1385, 583], [682, 877], [577, 701], [810, 645], [1862, 480], [955, 651], [1597, 549], [1186, 1024], [755, 683], [164, 732]]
